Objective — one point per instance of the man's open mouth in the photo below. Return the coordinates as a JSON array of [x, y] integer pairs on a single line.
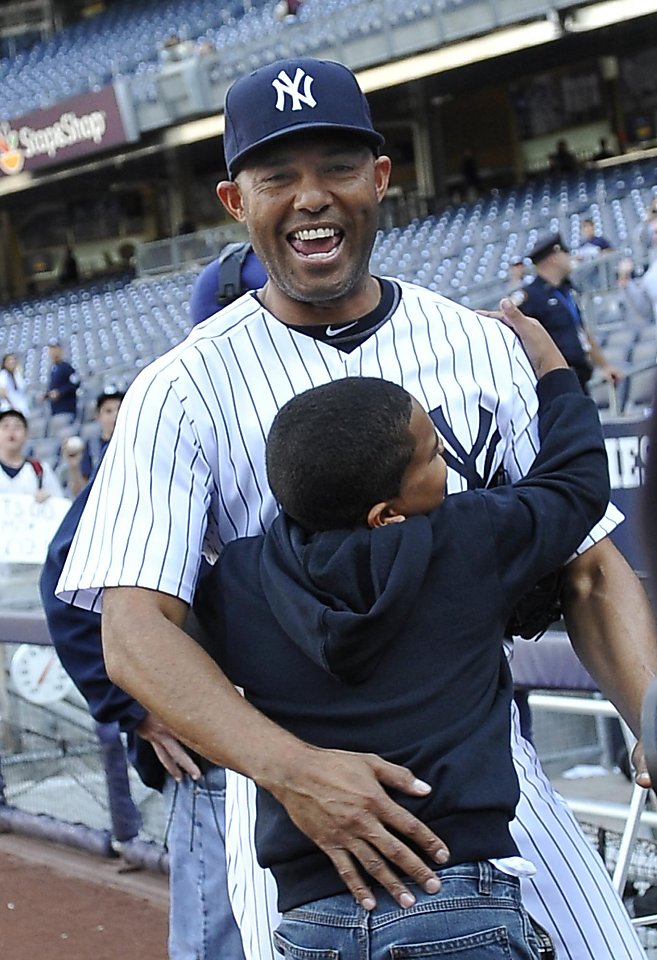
[[317, 243]]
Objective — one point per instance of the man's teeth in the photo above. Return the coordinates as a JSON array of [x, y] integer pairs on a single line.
[[315, 234]]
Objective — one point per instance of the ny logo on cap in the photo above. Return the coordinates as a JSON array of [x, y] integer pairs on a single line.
[[286, 87]]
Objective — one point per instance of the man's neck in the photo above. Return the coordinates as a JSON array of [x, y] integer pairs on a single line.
[[550, 275], [324, 313]]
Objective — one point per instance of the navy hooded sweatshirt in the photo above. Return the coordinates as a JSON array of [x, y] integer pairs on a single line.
[[391, 640]]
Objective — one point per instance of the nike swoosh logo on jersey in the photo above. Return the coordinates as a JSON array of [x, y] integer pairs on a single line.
[[335, 331]]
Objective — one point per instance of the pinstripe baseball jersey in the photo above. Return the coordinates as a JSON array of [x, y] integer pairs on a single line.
[[185, 470], [185, 474]]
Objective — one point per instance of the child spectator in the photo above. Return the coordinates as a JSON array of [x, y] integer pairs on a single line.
[[592, 244], [81, 460], [107, 410], [18, 473]]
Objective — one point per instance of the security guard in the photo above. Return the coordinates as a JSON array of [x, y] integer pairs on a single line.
[[550, 299]]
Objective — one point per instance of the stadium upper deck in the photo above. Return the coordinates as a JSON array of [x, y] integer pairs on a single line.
[[463, 251], [125, 39]]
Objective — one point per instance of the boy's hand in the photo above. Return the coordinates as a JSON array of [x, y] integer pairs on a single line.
[[542, 351]]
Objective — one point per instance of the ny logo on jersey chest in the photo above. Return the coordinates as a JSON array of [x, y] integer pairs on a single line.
[[463, 461]]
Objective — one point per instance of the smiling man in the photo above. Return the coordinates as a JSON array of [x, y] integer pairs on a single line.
[[185, 475]]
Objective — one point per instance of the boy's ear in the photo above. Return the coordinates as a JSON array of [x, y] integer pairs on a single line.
[[383, 513]]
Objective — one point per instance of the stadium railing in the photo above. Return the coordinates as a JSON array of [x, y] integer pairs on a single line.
[[174, 253]]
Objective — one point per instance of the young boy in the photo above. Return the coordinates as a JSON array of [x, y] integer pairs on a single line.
[[107, 410], [80, 460], [371, 616], [18, 474]]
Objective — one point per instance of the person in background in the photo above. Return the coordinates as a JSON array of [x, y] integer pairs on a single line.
[[174, 48], [70, 271], [471, 178], [603, 152], [550, 299], [645, 235], [205, 47], [236, 270], [79, 459], [107, 410], [563, 160], [518, 277], [63, 384], [592, 244], [13, 389], [637, 303], [18, 473], [79, 462]]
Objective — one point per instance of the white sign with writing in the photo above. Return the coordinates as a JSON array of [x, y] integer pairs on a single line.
[[27, 527], [627, 458]]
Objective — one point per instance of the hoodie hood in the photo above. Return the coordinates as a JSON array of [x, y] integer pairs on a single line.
[[342, 595]]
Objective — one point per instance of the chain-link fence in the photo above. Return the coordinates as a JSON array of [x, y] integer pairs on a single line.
[[56, 783]]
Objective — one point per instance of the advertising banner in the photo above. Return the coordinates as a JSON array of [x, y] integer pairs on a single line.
[[72, 129], [627, 451]]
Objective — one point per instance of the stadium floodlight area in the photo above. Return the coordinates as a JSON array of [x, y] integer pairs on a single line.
[[124, 41]]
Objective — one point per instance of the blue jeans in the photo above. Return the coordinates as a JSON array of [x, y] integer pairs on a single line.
[[201, 922], [477, 915]]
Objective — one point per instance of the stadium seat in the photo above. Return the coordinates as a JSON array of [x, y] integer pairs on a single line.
[[640, 392]]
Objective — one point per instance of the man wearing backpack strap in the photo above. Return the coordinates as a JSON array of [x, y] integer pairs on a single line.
[[18, 473], [236, 270]]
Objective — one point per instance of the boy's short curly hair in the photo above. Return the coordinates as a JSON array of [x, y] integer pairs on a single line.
[[338, 449]]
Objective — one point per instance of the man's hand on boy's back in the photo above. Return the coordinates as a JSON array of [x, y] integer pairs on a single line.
[[543, 353]]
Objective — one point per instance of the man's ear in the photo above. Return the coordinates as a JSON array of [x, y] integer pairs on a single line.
[[231, 197], [382, 168], [383, 513]]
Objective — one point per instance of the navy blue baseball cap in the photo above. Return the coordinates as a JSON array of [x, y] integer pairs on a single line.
[[290, 96], [545, 246]]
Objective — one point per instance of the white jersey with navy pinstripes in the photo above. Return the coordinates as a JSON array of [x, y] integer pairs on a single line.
[[190, 439], [185, 473]]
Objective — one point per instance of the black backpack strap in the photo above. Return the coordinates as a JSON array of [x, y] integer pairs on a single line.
[[38, 469], [231, 261]]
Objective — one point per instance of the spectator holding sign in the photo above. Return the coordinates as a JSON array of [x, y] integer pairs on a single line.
[[24, 532]]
